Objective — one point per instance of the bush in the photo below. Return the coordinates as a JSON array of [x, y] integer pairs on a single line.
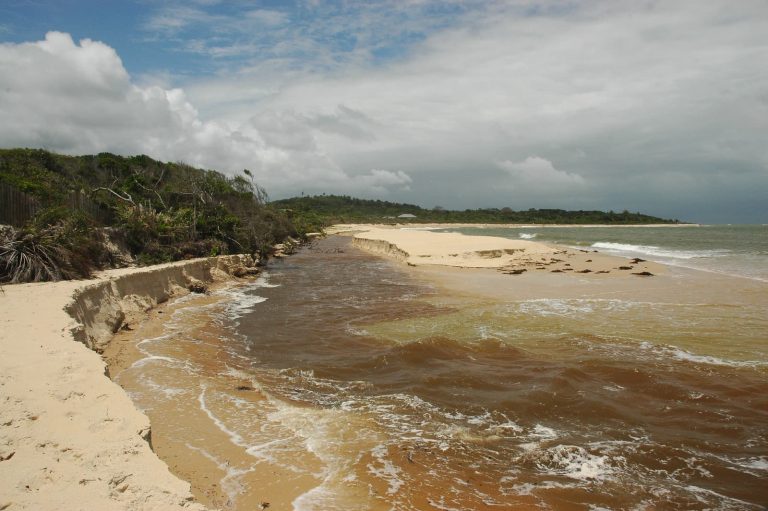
[[69, 249]]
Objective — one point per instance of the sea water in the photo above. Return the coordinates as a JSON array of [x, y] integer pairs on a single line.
[[371, 390], [738, 250]]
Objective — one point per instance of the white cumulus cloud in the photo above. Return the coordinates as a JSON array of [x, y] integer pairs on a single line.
[[77, 98]]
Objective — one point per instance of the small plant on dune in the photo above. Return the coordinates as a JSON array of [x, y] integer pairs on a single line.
[[29, 256], [66, 250]]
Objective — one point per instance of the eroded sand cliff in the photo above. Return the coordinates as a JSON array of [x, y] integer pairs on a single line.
[[70, 438]]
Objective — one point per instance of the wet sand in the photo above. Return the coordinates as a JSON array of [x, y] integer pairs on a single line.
[[69, 437]]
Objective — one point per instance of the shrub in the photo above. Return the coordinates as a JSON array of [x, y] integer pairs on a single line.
[[33, 256], [66, 250]]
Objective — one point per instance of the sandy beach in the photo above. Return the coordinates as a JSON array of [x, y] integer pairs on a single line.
[[70, 438], [514, 257]]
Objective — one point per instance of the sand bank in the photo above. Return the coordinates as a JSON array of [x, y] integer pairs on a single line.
[[341, 228], [69, 437], [423, 247]]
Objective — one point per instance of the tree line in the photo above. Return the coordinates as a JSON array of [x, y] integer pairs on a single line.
[[319, 210]]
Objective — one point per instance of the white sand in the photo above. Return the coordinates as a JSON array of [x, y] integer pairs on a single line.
[[418, 247], [70, 438]]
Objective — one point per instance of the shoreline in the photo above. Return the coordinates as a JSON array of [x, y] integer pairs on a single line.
[[70, 437], [340, 228]]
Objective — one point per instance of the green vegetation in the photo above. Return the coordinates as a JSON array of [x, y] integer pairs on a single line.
[[72, 212], [314, 212], [159, 211]]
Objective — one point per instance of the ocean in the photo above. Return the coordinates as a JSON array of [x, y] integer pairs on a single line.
[[343, 381], [737, 250]]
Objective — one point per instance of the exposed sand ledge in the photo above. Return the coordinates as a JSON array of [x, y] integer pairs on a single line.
[[423, 247], [447, 249], [70, 438], [341, 228]]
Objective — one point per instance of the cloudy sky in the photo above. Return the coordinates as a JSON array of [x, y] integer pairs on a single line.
[[652, 106]]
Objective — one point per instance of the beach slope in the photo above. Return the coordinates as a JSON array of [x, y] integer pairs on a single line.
[[70, 438]]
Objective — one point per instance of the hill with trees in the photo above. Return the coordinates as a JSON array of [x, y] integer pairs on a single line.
[[319, 210], [67, 211]]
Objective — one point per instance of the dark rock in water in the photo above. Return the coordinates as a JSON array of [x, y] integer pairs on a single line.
[[585, 271], [516, 272], [243, 271], [637, 260], [625, 267], [603, 271], [588, 261], [556, 271], [644, 274], [244, 387], [197, 286]]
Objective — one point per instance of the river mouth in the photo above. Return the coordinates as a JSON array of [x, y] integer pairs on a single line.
[[339, 381]]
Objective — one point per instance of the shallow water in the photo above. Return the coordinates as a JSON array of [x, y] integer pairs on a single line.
[[374, 391], [736, 250]]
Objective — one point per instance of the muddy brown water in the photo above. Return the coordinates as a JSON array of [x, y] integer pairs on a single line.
[[338, 381]]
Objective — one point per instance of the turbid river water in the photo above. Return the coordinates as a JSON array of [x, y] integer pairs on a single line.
[[340, 380]]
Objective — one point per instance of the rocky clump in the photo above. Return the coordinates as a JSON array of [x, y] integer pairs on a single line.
[[245, 271], [197, 286]]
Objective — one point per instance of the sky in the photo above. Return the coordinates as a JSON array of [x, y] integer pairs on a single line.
[[652, 106]]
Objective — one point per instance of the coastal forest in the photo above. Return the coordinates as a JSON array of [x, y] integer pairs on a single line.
[[63, 217], [71, 215], [335, 209]]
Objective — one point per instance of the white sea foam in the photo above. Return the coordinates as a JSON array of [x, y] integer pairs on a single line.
[[386, 470], [230, 483], [527, 489], [555, 307], [705, 496], [758, 463], [687, 356], [652, 250], [755, 465], [168, 392], [241, 300], [154, 358], [241, 304], [527, 236], [543, 432], [441, 505], [572, 461], [234, 437]]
